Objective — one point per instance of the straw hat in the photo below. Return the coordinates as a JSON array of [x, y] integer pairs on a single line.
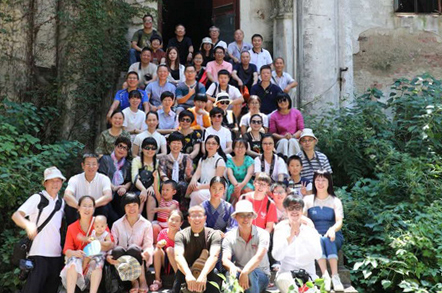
[[128, 268]]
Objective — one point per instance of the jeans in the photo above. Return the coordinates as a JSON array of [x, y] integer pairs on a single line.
[[134, 56], [330, 248], [258, 281]]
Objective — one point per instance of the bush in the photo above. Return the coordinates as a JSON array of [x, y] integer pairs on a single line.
[[385, 158], [25, 152]]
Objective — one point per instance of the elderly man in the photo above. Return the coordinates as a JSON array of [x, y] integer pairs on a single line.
[[45, 252], [182, 43], [245, 73], [196, 252], [147, 71], [141, 39], [214, 36], [296, 244], [248, 245], [235, 48], [283, 79], [215, 66], [88, 183]]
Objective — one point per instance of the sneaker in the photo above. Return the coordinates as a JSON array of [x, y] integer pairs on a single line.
[[337, 285], [327, 281]]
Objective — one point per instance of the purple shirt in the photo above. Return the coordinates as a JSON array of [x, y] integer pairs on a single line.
[[289, 123]]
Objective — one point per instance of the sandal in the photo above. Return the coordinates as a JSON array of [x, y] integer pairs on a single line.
[[156, 285], [134, 290]]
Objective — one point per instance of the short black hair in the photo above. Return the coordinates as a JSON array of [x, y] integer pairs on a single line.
[[189, 65], [132, 72], [167, 94], [124, 140], [219, 47], [146, 49], [172, 183], [265, 67], [148, 15], [257, 36], [156, 37], [187, 113], [176, 136], [216, 110], [200, 97], [224, 72], [129, 198], [135, 94], [218, 179], [294, 158], [281, 96]]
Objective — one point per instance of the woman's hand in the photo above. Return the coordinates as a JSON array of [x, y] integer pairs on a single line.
[[150, 191], [145, 255], [121, 191], [110, 259], [143, 195], [161, 243], [331, 234], [288, 136]]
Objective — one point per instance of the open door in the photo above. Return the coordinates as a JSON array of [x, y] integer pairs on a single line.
[[225, 15]]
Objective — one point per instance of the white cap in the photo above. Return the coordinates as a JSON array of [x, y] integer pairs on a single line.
[[244, 206], [51, 173], [307, 132]]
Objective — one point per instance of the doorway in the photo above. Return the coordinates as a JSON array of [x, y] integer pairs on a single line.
[[195, 15]]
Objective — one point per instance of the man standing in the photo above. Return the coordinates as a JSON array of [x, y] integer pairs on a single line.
[[196, 252], [141, 39], [245, 73], [182, 43], [214, 36], [187, 90], [235, 48], [248, 245], [284, 80], [147, 71], [88, 183], [213, 67], [266, 90], [259, 55]]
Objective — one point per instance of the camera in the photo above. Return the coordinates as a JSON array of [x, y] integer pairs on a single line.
[[26, 265], [147, 77], [301, 274]]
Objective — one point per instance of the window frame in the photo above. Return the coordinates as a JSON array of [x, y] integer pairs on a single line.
[[437, 12]]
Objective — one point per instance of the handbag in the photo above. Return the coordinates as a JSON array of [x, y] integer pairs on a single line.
[[301, 274], [146, 177]]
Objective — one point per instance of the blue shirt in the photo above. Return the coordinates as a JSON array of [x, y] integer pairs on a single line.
[[267, 96], [154, 91], [166, 121], [123, 97], [182, 89]]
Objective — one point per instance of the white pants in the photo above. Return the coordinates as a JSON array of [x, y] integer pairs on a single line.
[[288, 147]]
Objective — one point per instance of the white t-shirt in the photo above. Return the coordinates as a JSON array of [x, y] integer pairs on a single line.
[[245, 120], [279, 168], [134, 120], [224, 136], [261, 58], [208, 167], [47, 242], [79, 186], [156, 135], [233, 92]]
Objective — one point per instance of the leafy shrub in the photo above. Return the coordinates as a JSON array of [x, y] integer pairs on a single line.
[[24, 154], [385, 157]]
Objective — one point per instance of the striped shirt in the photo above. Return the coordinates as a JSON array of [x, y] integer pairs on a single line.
[[163, 215], [319, 161]]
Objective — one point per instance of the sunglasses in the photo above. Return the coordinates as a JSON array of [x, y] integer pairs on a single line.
[[150, 148], [224, 102], [188, 120], [217, 116], [122, 147], [256, 122], [283, 100]]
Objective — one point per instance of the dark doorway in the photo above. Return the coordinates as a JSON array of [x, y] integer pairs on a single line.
[[195, 15], [226, 17], [418, 6]]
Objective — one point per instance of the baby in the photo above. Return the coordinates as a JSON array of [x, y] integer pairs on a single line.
[[101, 234]]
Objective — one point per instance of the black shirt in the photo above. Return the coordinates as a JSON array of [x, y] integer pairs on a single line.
[[183, 47]]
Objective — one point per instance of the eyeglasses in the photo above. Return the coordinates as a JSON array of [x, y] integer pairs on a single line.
[[292, 208], [217, 116], [198, 216], [283, 100], [150, 148], [224, 102], [261, 184], [246, 216], [122, 147], [188, 120], [256, 122]]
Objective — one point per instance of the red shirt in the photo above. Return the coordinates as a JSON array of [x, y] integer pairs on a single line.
[[72, 242], [163, 236], [264, 215]]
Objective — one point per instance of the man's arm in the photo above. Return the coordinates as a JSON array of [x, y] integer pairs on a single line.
[[70, 199], [184, 268], [104, 199], [290, 86], [135, 46]]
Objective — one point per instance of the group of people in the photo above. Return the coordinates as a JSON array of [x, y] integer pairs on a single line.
[[177, 183]]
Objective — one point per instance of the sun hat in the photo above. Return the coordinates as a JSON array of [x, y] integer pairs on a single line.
[[128, 268], [51, 173], [206, 40], [223, 96], [307, 132], [244, 206]]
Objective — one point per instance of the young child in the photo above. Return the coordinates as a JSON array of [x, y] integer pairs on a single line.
[[134, 118], [279, 193], [158, 55], [166, 203], [101, 234], [298, 185]]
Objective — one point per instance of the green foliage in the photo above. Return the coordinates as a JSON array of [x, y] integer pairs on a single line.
[[25, 152], [229, 284], [386, 156]]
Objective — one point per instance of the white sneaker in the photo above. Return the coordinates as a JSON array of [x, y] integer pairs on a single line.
[[327, 281], [337, 285]]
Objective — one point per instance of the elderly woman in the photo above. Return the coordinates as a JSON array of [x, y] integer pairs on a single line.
[[117, 167], [106, 139], [286, 125], [77, 238], [45, 250], [295, 244], [326, 212], [240, 170], [133, 236]]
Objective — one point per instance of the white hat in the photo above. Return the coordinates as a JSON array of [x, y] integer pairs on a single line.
[[307, 132], [244, 206], [222, 96], [206, 40], [128, 268], [51, 173]]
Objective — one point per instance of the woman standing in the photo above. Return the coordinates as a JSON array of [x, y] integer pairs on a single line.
[[269, 162], [133, 236], [254, 136], [76, 240], [106, 140], [213, 163], [326, 212], [286, 125], [240, 170], [173, 63]]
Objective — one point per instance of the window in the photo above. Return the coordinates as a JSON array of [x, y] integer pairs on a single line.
[[418, 6]]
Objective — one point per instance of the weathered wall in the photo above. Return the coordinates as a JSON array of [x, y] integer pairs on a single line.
[[387, 45], [146, 7]]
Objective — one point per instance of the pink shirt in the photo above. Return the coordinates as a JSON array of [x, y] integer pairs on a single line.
[[214, 68], [140, 234], [289, 123]]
